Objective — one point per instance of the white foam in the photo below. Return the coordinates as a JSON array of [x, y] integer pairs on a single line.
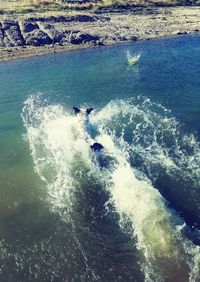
[[61, 154], [154, 138], [56, 141], [157, 228]]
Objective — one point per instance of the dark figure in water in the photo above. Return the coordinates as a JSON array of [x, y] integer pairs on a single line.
[[76, 110], [96, 146], [89, 110]]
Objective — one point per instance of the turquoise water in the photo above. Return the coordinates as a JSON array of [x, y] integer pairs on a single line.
[[62, 216]]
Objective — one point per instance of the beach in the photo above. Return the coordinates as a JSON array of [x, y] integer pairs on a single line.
[[34, 34]]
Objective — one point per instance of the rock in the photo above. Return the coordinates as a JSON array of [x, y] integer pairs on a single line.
[[28, 26], [38, 38], [87, 18], [100, 42], [133, 38], [181, 32], [7, 42], [64, 19], [79, 38], [84, 18], [6, 24], [103, 19], [55, 35], [48, 26], [15, 35], [1, 37], [77, 18], [126, 9], [121, 38]]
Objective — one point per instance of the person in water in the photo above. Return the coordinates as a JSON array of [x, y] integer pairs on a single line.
[[95, 146]]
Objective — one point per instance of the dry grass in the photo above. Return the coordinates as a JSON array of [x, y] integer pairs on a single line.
[[24, 6], [43, 2], [24, 3], [142, 2]]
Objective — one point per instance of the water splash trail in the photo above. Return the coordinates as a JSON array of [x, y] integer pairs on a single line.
[[64, 161], [60, 154], [157, 227], [152, 138]]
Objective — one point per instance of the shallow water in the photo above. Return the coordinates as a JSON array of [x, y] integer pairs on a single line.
[[65, 218]]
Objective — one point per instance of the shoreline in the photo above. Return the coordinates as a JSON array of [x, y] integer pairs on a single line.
[[77, 31], [51, 51]]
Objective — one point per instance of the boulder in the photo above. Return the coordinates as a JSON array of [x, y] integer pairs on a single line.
[[11, 31], [181, 33], [1, 37], [38, 38], [79, 38], [100, 42], [7, 42], [15, 35], [28, 26], [133, 38], [55, 35], [6, 24]]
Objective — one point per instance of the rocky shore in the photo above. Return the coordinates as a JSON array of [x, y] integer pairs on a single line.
[[36, 34]]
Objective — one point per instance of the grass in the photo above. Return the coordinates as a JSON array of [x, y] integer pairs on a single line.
[[27, 6], [146, 3]]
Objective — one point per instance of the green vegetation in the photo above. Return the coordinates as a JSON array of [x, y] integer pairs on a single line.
[[27, 6]]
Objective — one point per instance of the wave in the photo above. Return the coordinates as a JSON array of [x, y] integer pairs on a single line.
[[138, 137]]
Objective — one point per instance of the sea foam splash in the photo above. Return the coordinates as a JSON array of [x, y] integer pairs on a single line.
[[153, 138], [63, 159], [56, 142]]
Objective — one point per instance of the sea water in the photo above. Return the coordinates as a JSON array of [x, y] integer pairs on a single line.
[[64, 216]]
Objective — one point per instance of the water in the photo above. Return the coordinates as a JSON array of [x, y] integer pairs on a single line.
[[63, 217]]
